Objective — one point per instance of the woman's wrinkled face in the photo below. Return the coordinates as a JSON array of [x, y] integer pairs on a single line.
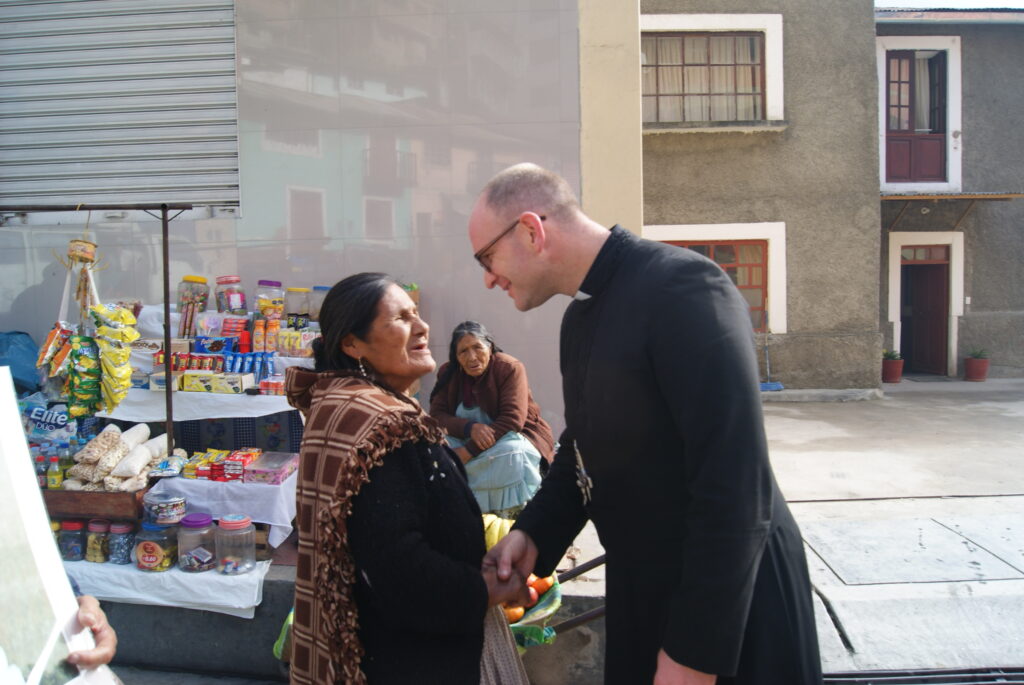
[[474, 354], [396, 344]]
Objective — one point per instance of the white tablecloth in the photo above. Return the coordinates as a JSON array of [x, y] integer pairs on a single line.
[[147, 405], [210, 591], [273, 504]]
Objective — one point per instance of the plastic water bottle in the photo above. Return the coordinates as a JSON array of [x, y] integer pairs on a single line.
[[54, 474], [40, 462], [64, 456]]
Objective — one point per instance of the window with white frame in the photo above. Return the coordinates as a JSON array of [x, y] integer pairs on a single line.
[[711, 68], [754, 256], [919, 85]]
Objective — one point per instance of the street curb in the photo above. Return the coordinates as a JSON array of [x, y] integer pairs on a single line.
[[822, 395]]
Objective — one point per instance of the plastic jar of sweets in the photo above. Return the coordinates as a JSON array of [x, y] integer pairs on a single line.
[[163, 509], [236, 544], [196, 544], [71, 540], [193, 290], [296, 304], [230, 296], [269, 300], [97, 543], [316, 301], [120, 543], [156, 547]]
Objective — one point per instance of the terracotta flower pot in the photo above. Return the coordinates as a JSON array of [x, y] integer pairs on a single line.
[[975, 369], [892, 370]]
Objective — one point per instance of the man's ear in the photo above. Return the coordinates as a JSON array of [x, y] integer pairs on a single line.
[[537, 232]]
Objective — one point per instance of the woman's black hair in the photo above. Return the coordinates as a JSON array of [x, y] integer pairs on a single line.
[[349, 307], [465, 328]]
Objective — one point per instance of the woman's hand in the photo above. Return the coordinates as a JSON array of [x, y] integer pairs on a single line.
[[482, 435], [464, 454]]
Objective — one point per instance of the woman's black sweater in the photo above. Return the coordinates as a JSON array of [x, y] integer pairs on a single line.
[[416, 536]]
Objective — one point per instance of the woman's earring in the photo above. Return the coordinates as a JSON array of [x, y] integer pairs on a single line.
[[362, 369]]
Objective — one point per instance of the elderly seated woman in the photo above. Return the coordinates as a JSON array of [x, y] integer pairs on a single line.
[[483, 400]]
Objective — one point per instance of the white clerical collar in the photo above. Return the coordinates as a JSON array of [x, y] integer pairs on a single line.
[[581, 296]]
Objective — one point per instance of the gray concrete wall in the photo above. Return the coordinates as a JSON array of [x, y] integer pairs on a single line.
[[992, 69], [819, 176]]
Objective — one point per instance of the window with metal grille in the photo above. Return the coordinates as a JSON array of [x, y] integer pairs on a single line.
[[695, 77], [746, 263]]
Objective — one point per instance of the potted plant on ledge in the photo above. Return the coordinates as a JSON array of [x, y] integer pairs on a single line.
[[892, 366], [976, 365]]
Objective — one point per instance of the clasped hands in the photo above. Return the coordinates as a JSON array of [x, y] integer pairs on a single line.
[[507, 566]]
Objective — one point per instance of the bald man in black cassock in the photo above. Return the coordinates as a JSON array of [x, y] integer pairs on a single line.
[[664, 448]]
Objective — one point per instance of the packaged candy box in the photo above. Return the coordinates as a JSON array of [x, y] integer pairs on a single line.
[[224, 383], [271, 467]]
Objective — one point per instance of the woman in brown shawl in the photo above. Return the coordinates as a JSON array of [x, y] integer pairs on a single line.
[[389, 587]]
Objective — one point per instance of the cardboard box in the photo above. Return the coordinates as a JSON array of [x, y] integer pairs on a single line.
[[222, 383], [157, 381], [156, 344]]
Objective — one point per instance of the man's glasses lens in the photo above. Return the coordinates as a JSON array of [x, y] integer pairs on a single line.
[[485, 259]]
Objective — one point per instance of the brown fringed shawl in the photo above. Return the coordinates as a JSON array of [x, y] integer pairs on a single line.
[[351, 424]]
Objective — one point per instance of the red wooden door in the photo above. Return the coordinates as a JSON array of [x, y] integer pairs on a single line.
[[929, 315]]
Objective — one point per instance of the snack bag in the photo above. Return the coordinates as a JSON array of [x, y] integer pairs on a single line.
[[55, 340]]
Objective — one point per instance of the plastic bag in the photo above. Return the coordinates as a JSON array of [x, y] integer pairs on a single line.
[[18, 351]]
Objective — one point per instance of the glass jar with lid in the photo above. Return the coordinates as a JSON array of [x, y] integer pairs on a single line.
[[230, 296], [236, 544], [269, 300], [120, 542], [316, 301], [196, 543], [97, 546], [156, 547], [296, 303], [71, 540]]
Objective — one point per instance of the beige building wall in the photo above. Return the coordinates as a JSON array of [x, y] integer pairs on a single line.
[[611, 138]]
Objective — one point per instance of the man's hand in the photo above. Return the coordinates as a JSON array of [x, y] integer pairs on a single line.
[[91, 616], [512, 591], [514, 552], [482, 435], [673, 673]]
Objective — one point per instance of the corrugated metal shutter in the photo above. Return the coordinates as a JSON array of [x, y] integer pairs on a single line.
[[118, 101]]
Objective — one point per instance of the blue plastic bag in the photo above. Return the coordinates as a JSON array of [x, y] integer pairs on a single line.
[[18, 351]]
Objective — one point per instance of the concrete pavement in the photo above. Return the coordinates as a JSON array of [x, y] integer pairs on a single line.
[[912, 511], [911, 503]]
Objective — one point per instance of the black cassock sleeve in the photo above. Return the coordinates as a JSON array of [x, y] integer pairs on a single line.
[[555, 515], [701, 346]]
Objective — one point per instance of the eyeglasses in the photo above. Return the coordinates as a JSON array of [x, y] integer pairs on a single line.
[[481, 255]]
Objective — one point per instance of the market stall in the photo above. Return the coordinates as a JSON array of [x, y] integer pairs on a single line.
[[120, 499]]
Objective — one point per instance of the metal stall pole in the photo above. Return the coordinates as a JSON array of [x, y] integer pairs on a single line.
[[168, 374]]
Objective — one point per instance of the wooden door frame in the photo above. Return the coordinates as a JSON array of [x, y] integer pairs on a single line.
[[955, 239]]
